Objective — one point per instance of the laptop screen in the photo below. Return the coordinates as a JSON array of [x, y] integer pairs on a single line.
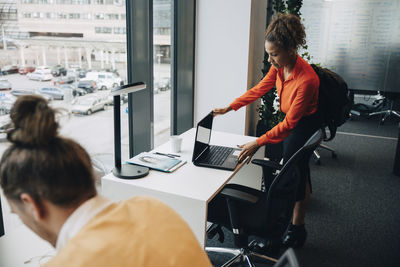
[[203, 136]]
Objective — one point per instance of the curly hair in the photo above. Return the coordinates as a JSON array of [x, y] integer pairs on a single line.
[[286, 31]]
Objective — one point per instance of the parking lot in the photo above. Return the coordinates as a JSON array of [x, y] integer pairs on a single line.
[[95, 132]]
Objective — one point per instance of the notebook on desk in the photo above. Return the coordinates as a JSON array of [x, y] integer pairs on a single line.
[[158, 162], [206, 155]]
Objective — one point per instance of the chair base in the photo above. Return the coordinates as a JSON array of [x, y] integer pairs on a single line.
[[386, 114], [242, 255], [318, 156]]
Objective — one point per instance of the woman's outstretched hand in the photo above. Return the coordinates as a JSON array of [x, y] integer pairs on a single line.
[[248, 150], [221, 111]]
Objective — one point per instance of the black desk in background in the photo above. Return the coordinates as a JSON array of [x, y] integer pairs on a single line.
[[396, 167]]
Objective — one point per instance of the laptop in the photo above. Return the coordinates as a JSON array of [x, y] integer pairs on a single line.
[[206, 155]]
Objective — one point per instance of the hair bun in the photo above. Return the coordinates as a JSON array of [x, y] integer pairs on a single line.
[[286, 31], [34, 122]]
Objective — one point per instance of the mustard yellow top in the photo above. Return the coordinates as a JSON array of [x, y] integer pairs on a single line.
[[139, 232]]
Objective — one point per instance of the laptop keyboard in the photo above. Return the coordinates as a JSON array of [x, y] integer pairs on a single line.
[[217, 155]]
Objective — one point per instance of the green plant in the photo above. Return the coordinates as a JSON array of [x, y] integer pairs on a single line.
[[269, 111]]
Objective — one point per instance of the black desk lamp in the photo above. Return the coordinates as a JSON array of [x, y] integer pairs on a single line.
[[124, 171]]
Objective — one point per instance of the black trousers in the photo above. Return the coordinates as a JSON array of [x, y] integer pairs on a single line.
[[306, 127]]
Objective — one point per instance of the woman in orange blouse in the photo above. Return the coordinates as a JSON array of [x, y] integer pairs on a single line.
[[297, 86]]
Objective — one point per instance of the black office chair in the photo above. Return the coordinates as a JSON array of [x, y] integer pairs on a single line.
[[1, 221], [246, 211]]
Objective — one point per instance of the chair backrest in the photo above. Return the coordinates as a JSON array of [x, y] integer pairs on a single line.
[[288, 259], [281, 195]]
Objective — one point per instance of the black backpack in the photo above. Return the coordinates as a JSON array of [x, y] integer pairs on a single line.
[[334, 103]]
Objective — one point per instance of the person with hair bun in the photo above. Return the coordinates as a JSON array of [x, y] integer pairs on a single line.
[[49, 183], [297, 86]]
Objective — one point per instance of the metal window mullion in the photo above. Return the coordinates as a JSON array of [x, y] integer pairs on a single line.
[[140, 68], [183, 59]]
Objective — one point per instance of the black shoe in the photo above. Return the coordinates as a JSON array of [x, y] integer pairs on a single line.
[[295, 236]]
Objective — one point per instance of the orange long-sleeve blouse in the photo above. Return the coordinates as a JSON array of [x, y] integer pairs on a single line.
[[298, 97]]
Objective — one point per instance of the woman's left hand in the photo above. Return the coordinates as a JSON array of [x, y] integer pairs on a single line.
[[248, 150]]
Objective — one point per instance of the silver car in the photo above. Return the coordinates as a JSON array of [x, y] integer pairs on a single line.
[[29, 91], [6, 103], [40, 75], [88, 105], [5, 84], [53, 92]]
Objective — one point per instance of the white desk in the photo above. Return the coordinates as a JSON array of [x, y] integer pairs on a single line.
[[22, 245], [189, 189]]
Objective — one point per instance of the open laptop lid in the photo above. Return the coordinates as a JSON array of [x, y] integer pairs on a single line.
[[203, 136]]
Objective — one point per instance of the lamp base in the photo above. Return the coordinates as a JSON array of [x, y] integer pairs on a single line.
[[129, 171]]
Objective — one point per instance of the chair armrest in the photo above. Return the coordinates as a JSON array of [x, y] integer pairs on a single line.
[[267, 163], [239, 195]]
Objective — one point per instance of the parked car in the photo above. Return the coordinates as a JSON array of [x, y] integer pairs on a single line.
[[104, 80], [25, 91], [73, 73], [40, 75], [82, 73], [163, 84], [5, 84], [58, 71], [8, 69], [53, 92], [88, 104], [5, 124], [44, 68], [88, 85], [26, 69], [111, 70], [28, 91], [123, 98], [6, 103], [75, 90], [64, 80]]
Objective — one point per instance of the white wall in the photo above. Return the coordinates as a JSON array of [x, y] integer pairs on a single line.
[[222, 51]]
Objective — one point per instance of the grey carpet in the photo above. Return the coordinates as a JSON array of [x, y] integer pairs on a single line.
[[354, 217]]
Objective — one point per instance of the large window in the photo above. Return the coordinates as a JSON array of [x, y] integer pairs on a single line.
[[86, 66]]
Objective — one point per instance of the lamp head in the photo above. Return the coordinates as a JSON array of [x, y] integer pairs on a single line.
[[129, 88]]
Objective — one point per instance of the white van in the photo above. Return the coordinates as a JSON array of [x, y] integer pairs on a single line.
[[43, 69], [40, 75], [104, 80]]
